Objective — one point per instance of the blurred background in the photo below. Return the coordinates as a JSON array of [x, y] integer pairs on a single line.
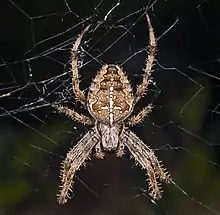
[[183, 129]]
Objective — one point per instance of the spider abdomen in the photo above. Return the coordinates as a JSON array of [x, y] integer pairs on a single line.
[[110, 98]]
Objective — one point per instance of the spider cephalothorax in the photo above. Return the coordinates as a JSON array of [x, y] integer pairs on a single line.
[[110, 102]]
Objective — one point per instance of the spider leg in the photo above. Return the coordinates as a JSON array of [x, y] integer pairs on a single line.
[[145, 156], [142, 88], [79, 94], [74, 115], [74, 160], [135, 119]]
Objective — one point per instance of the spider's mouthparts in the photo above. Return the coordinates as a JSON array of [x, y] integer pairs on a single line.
[[109, 148]]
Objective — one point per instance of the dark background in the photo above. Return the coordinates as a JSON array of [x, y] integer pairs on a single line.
[[183, 129]]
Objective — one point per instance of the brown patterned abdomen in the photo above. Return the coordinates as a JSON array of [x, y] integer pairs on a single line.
[[110, 98]]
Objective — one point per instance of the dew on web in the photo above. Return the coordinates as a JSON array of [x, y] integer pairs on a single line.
[[183, 129]]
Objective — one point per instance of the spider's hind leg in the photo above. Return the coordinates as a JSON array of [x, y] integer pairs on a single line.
[[142, 88], [79, 94]]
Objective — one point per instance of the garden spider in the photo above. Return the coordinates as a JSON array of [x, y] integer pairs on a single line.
[[110, 102]]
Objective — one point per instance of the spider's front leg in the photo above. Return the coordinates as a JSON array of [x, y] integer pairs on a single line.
[[135, 119], [79, 94], [73, 114], [75, 158], [142, 88], [145, 156]]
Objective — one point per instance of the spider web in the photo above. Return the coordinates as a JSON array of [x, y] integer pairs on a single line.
[[183, 129]]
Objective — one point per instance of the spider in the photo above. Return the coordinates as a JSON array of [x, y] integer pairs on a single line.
[[110, 102]]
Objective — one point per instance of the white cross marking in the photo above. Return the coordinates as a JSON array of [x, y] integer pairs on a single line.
[[111, 104]]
